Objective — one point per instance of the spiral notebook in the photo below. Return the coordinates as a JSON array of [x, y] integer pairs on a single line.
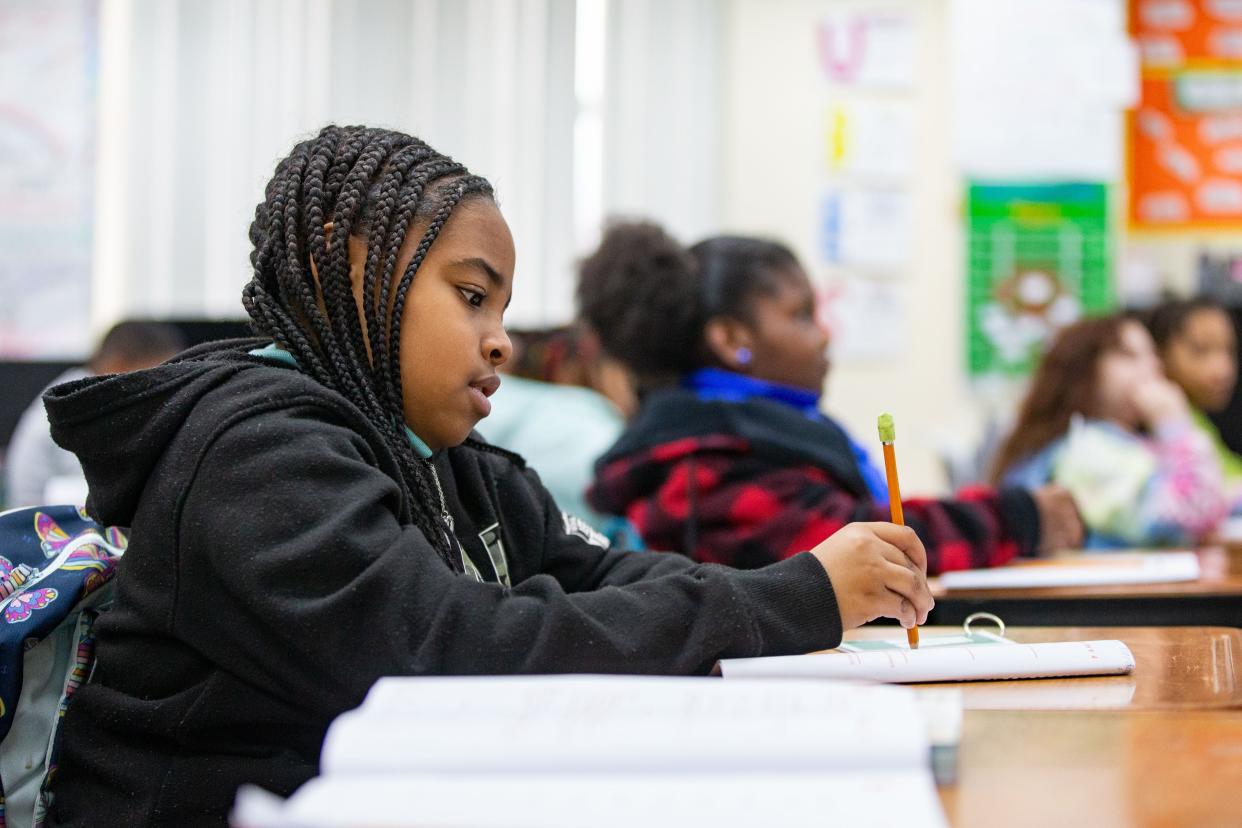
[[955, 660]]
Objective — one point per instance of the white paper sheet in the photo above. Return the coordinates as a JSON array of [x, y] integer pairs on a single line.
[[601, 724], [869, 799], [1084, 570]]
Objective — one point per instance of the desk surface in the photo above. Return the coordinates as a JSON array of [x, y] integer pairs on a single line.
[[1099, 769], [1176, 668], [1214, 599]]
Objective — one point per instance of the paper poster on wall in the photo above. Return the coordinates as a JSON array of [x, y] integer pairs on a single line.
[[867, 48], [867, 318], [865, 227], [1039, 86], [1038, 257], [1185, 137], [871, 139], [47, 132]]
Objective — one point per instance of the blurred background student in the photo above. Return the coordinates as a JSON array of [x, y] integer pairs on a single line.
[[1102, 419], [1198, 346], [37, 471], [729, 459], [561, 404]]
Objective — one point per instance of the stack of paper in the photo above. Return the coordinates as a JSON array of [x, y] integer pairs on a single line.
[[613, 751]]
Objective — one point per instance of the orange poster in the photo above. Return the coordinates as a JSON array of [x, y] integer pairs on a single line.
[[1185, 137]]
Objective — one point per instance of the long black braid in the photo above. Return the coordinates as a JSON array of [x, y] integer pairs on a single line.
[[368, 183]]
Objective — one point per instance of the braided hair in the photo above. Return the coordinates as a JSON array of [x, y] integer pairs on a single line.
[[377, 185]]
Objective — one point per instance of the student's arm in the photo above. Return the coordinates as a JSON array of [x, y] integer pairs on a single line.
[[747, 513], [580, 558], [295, 573]]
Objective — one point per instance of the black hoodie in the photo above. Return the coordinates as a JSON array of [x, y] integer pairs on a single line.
[[274, 573]]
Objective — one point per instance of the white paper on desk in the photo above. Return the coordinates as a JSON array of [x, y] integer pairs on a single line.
[[1104, 693], [1084, 570], [972, 663], [873, 798], [615, 724]]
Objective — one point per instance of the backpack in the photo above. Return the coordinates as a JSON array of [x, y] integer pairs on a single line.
[[56, 570]]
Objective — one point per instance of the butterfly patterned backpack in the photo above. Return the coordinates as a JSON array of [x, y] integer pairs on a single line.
[[56, 568]]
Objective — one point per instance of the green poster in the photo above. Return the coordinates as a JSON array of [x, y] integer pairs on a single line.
[[1038, 257]]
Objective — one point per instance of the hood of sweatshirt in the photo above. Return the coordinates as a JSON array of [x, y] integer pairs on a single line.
[[673, 423], [120, 424]]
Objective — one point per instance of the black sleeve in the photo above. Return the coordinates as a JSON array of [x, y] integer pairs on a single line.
[[295, 572]]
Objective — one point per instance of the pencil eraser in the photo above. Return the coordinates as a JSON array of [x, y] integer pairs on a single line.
[[888, 432]]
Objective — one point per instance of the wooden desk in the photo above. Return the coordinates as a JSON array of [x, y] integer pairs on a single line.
[[1176, 668], [1213, 600], [1020, 768]]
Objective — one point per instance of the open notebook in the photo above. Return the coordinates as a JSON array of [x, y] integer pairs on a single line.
[[1113, 569], [951, 660], [589, 750]]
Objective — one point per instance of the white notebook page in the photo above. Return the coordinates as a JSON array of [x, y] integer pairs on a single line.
[[862, 799], [600, 724]]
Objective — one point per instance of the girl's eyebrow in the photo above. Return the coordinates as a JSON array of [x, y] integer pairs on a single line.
[[482, 264]]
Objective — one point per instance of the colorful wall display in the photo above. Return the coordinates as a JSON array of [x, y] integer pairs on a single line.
[[1185, 136], [1038, 257]]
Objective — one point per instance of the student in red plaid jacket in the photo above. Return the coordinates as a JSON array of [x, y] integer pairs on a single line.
[[729, 459]]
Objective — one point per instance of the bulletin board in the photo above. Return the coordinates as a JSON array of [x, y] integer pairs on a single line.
[[1185, 136], [1038, 258]]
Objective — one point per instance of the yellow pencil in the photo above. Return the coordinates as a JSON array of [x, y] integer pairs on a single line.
[[888, 436]]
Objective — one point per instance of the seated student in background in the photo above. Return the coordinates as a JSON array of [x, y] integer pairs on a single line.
[[1101, 419], [1198, 346], [37, 471], [560, 406], [729, 459], [309, 511]]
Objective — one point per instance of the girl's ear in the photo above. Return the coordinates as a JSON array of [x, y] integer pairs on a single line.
[[730, 341]]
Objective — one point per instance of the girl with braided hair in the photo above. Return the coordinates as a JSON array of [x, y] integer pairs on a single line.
[[309, 510]]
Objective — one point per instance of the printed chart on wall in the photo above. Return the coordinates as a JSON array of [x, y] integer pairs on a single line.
[[867, 62], [1038, 258], [1185, 137], [47, 138]]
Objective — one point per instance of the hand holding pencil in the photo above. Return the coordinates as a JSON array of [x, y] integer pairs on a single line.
[[879, 569]]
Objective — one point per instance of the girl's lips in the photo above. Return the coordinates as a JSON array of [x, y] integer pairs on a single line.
[[481, 402], [481, 389], [487, 385]]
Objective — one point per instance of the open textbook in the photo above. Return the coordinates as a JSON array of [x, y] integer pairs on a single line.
[[1117, 568], [610, 751]]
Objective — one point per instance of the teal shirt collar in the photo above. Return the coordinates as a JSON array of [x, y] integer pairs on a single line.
[[278, 354]]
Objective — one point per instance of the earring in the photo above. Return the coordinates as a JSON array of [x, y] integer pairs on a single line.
[[743, 356]]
